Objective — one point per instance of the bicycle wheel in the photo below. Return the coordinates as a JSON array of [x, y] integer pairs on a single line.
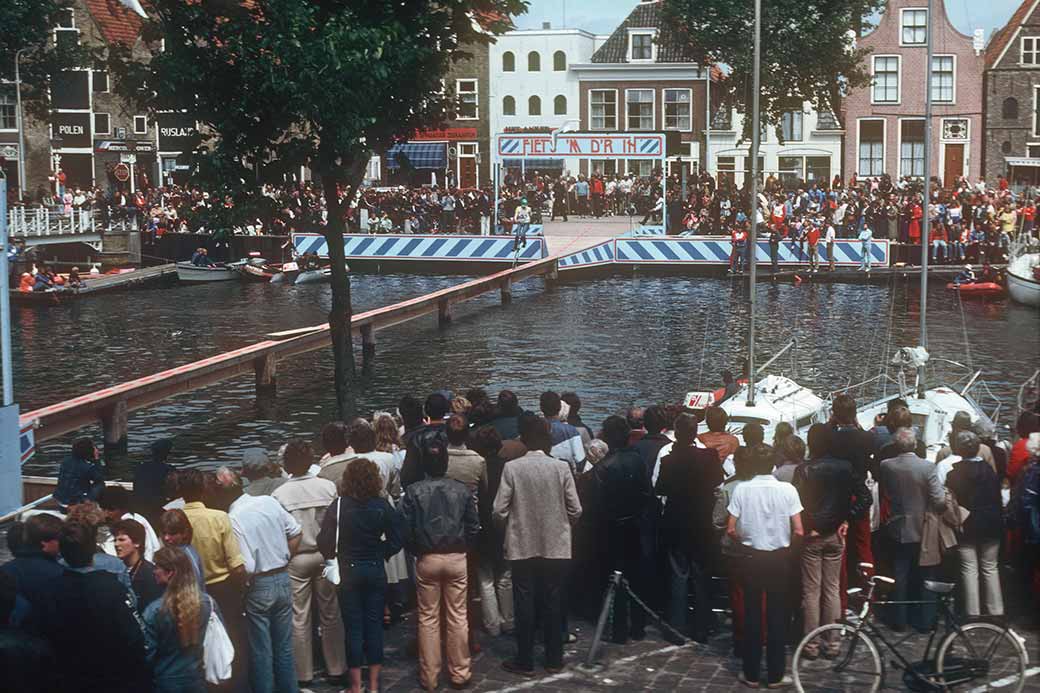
[[985, 656], [836, 657]]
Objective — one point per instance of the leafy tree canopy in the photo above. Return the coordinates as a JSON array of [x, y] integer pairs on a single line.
[[807, 53]]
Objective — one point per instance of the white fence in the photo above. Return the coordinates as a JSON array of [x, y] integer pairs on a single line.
[[40, 222]]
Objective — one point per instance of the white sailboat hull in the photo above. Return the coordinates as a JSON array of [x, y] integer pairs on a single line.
[[1021, 285]]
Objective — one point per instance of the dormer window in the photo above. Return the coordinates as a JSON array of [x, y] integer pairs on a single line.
[[641, 47], [1030, 50], [914, 27]]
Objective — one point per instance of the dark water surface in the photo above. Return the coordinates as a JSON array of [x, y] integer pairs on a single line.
[[616, 341]]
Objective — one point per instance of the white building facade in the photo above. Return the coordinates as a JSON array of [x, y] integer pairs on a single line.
[[532, 85]]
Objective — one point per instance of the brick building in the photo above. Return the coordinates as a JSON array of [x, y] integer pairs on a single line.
[[1012, 88], [885, 121], [642, 79]]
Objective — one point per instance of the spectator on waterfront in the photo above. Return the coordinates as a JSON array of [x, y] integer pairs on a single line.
[[35, 564], [507, 415], [222, 562], [91, 624], [912, 488], [440, 524], [306, 497], [264, 476], [572, 400], [361, 531], [1027, 424], [129, 540], [115, 502], [716, 436], [268, 536], [791, 455], [89, 514], [465, 464], [362, 439], [976, 488], [81, 476], [175, 625], [765, 517], [436, 409], [688, 478], [832, 495], [566, 440], [850, 442], [538, 503], [495, 577], [177, 532], [150, 481], [26, 660]]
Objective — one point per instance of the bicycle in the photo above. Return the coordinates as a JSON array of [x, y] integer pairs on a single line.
[[844, 656]]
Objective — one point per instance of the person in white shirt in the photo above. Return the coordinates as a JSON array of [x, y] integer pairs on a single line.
[[764, 517], [521, 220], [115, 502], [829, 235], [268, 536]]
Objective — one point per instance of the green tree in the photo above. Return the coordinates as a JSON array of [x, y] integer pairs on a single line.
[[320, 83], [26, 27], [807, 54]]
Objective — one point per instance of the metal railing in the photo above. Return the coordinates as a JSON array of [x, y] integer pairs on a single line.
[[41, 222]]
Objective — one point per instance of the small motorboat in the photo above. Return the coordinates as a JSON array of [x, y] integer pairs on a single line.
[[286, 274], [315, 276], [187, 272], [977, 288]]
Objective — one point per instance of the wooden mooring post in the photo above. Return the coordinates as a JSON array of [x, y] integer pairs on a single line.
[[115, 425]]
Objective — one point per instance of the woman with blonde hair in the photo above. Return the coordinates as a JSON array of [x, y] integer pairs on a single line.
[[388, 436], [175, 625]]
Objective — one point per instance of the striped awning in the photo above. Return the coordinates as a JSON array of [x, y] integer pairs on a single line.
[[1022, 162], [534, 164], [419, 154]]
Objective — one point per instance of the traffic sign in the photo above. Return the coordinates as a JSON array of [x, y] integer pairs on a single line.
[[122, 172]]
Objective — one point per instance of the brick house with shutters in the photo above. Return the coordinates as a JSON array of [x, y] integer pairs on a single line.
[[884, 122], [1011, 145]]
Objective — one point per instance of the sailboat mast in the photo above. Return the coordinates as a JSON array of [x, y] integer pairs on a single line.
[[926, 217], [756, 131]]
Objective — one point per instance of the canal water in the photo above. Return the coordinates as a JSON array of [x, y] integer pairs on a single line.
[[615, 340]]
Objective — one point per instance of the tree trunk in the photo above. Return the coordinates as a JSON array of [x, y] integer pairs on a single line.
[[342, 310]]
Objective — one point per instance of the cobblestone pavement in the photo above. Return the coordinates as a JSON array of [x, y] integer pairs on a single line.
[[650, 665]]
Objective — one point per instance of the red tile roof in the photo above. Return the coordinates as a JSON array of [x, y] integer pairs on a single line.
[[1002, 38], [117, 23]]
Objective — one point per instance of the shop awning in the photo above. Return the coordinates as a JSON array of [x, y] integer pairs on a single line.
[[429, 155], [534, 164], [1022, 162]]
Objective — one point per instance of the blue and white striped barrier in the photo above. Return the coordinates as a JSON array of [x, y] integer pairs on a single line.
[[602, 254], [27, 442], [434, 248], [700, 251], [645, 231], [532, 230]]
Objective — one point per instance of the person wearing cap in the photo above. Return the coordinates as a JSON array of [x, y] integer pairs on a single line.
[[522, 220], [263, 475], [966, 276], [149, 492]]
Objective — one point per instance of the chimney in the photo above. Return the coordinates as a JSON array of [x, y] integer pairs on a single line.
[[546, 25]]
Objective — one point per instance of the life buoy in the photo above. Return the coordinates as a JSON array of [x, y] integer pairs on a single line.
[[25, 283]]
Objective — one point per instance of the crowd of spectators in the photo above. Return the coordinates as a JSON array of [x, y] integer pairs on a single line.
[[487, 517]]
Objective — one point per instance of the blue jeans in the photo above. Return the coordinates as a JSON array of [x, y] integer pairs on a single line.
[[362, 596], [269, 617]]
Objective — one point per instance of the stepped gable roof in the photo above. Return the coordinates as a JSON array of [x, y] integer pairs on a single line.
[[646, 15], [118, 24], [1002, 38]]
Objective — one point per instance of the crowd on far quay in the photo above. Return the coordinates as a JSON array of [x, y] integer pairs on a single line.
[[491, 520]]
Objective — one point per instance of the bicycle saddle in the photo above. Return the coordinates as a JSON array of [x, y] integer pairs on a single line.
[[939, 587]]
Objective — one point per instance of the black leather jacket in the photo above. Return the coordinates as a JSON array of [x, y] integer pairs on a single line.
[[624, 486], [831, 492], [412, 467], [440, 516]]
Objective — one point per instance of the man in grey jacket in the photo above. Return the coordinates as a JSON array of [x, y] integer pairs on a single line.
[[537, 502], [912, 488]]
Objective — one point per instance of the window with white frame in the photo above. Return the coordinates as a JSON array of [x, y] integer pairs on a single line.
[[8, 110], [99, 81], [140, 125], [1030, 50], [641, 45], [639, 109], [911, 148], [640, 167], [678, 109], [603, 109], [886, 79], [871, 147], [508, 106], [66, 34], [791, 125], [942, 78], [102, 124], [467, 94], [914, 27]]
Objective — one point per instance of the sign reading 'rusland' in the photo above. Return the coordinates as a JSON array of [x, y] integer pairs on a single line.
[[586, 145]]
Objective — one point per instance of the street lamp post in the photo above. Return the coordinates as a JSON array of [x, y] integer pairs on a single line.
[[21, 122]]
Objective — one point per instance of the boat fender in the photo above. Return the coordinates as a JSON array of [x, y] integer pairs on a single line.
[[797, 280]]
